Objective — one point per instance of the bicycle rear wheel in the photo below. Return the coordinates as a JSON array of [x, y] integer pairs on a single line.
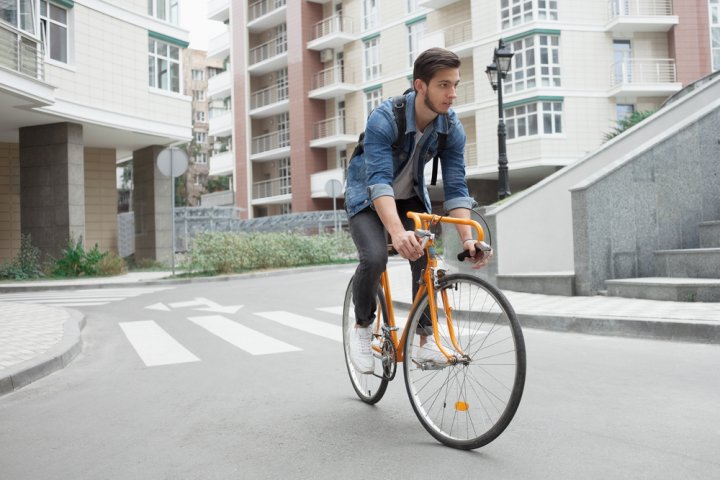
[[469, 403], [369, 387]]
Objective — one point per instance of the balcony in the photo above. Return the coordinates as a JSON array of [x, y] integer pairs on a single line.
[[269, 101], [219, 10], [320, 179], [630, 16], [220, 86], [436, 4], [21, 53], [222, 163], [219, 46], [457, 38], [266, 14], [471, 158], [271, 146], [332, 83], [221, 123], [334, 132], [332, 32], [275, 190], [652, 77], [268, 57], [464, 104]]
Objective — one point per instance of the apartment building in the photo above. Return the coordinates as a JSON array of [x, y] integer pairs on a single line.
[[308, 72], [197, 69], [84, 84]]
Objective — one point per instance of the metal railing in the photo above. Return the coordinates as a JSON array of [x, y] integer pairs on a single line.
[[21, 53], [458, 33], [331, 76], [263, 7], [647, 71], [268, 96], [465, 93], [620, 8], [330, 25], [272, 188], [330, 127], [274, 47], [271, 141]]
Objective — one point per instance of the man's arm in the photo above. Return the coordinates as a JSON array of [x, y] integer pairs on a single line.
[[404, 241], [465, 232]]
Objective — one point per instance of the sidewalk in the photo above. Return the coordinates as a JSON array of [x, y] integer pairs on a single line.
[[36, 340]]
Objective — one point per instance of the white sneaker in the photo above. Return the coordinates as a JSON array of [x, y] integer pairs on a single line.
[[431, 353], [361, 351]]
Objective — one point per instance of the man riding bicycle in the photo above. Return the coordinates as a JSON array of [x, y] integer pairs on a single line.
[[384, 183]]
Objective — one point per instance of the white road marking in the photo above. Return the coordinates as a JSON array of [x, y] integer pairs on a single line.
[[158, 306], [305, 324], [154, 345], [251, 341], [333, 310]]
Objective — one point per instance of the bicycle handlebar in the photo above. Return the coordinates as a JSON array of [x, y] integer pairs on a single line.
[[479, 247], [419, 218]]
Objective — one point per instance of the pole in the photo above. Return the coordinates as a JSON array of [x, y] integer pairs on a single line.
[[503, 180], [172, 211]]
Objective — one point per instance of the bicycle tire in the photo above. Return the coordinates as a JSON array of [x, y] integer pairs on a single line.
[[369, 387], [469, 404]]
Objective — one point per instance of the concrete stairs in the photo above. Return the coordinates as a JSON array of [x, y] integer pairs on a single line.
[[686, 275]]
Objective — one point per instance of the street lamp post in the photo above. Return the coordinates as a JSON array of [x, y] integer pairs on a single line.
[[496, 72]]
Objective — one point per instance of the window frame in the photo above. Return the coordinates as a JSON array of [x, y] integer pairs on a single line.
[[529, 11], [528, 70], [373, 98], [46, 23], [371, 19], [714, 32], [528, 120], [414, 37], [170, 10], [154, 66], [371, 52]]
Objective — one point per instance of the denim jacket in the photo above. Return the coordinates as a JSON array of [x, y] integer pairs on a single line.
[[370, 174]]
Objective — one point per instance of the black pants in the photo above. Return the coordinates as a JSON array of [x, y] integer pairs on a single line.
[[371, 240]]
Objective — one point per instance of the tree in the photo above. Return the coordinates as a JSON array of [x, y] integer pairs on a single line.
[[627, 123]]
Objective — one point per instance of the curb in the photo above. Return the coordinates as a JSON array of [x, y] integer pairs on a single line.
[[169, 281], [57, 357], [694, 332]]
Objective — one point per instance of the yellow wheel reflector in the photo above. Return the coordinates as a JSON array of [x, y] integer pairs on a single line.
[[461, 406]]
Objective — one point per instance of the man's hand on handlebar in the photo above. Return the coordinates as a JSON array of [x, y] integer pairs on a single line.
[[407, 245], [479, 253]]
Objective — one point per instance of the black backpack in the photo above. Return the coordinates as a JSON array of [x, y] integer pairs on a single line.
[[399, 112]]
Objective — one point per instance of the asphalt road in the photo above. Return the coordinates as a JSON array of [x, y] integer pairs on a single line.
[[280, 405]]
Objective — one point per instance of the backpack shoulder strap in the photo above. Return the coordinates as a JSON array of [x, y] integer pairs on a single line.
[[400, 121]]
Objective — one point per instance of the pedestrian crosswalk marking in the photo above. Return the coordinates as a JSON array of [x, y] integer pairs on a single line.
[[247, 339], [333, 310], [80, 298], [305, 324], [154, 345]]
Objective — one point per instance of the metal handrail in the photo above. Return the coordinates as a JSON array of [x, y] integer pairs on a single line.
[[330, 25], [274, 47], [272, 188], [644, 70], [268, 96], [263, 7], [271, 141], [625, 8]]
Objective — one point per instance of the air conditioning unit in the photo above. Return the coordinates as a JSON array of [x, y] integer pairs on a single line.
[[327, 55]]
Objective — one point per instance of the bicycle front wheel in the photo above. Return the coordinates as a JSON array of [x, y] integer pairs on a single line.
[[467, 402], [370, 387]]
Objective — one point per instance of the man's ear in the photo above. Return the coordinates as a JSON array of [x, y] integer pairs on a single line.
[[420, 86]]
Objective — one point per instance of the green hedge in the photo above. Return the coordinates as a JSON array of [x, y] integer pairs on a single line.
[[240, 252]]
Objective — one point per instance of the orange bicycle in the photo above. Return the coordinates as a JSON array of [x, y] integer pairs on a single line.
[[468, 400]]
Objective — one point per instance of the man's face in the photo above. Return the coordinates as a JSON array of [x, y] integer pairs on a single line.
[[441, 92]]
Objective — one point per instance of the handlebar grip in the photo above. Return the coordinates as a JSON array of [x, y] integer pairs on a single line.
[[479, 247]]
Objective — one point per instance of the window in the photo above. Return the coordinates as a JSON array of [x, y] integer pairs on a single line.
[[198, 74], [201, 158], [412, 5], [200, 137], [415, 33], [199, 95], [283, 126], [715, 34], [370, 14], [536, 63], [200, 179], [54, 31], [200, 116], [371, 58], [284, 176], [519, 12], [19, 13], [164, 10], [623, 112], [373, 98], [164, 65], [541, 118]]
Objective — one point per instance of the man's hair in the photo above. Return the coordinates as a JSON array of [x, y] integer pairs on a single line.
[[432, 60]]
